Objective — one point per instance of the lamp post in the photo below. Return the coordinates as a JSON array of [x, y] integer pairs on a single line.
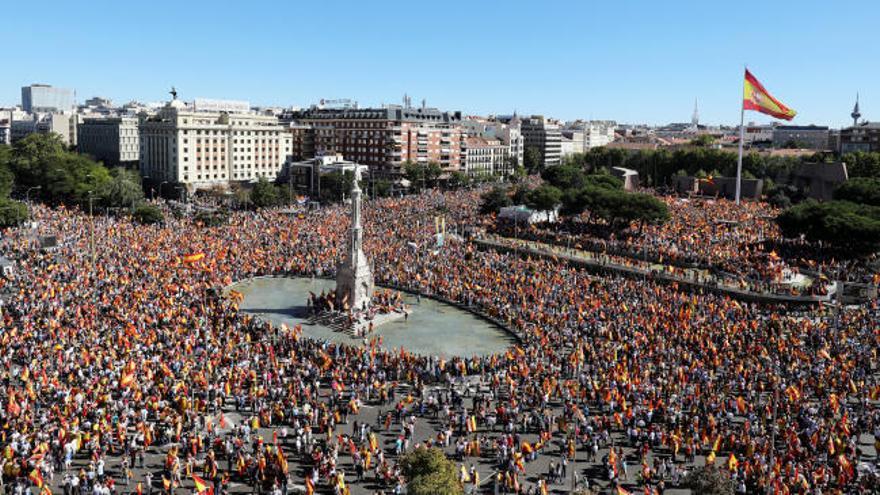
[[91, 228], [160, 187], [27, 199], [28, 192]]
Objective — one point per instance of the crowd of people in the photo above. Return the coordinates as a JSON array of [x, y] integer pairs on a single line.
[[125, 368], [731, 241]]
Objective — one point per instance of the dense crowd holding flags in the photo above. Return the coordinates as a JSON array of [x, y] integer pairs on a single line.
[[141, 354]]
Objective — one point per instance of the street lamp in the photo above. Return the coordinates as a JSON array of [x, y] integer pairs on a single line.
[[91, 228], [28, 192], [160, 187]]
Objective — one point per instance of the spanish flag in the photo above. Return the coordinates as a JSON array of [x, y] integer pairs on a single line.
[[756, 98], [192, 258], [202, 487], [472, 424], [127, 380], [36, 478]]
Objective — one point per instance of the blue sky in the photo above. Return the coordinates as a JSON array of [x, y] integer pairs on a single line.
[[632, 61]]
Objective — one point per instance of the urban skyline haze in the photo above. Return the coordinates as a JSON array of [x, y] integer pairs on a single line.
[[634, 62]]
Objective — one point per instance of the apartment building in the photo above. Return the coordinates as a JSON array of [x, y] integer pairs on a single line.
[[544, 135], [383, 138], [485, 157]]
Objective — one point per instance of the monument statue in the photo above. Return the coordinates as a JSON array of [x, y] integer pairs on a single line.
[[354, 279]]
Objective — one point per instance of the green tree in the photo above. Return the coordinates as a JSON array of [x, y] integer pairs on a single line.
[[709, 480], [123, 188], [148, 214], [533, 160], [565, 176], [429, 472], [849, 227], [12, 213], [336, 185], [457, 180], [862, 164], [415, 174], [544, 198], [494, 199], [703, 140], [382, 188], [265, 194], [859, 190], [519, 173], [433, 171]]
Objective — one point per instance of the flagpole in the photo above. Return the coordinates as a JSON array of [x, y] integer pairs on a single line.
[[742, 134]]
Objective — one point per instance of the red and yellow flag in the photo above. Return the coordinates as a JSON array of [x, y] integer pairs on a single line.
[[202, 487], [756, 98], [192, 258]]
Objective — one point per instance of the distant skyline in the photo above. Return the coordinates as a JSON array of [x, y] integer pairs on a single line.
[[633, 62]]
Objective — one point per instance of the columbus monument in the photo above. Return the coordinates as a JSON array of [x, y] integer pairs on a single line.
[[354, 279]]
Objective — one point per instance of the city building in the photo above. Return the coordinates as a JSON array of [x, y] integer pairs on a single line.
[[302, 145], [862, 137], [113, 141], [571, 142], [543, 135], [385, 138], [758, 135], [505, 129], [306, 175], [202, 150], [814, 137], [58, 123], [5, 131], [486, 157], [38, 98]]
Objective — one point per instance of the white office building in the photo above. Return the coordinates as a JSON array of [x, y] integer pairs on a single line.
[[207, 149]]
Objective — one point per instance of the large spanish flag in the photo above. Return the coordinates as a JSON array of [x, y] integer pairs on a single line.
[[755, 97]]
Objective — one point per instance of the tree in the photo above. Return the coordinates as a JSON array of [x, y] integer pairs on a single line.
[[415, 174], [709, 480], [703, 140], [859, 190], [12, 213], [265, 194], [335, 185], [564, 176], [544, 198], [849, 227], [862, 164], [519, 173], [495, 199], [433, 171], [617, 207], [123, 188], [148, 214], [457, 179], [382, 188], [533, 160], [429, 472]]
